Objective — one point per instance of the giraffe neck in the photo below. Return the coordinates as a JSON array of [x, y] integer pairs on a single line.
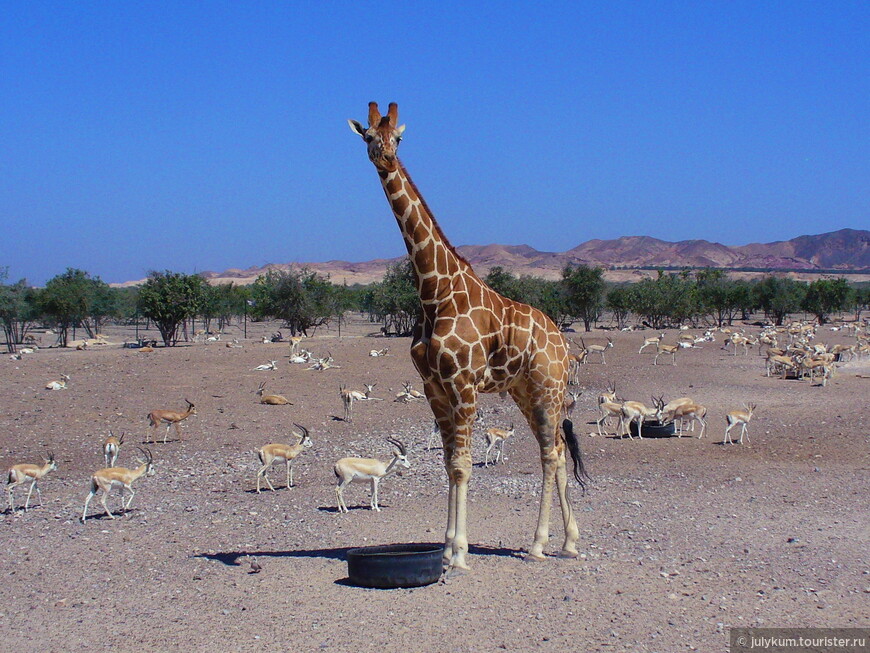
[[433, 258]]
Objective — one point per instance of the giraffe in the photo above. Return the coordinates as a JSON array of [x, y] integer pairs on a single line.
[[471, 340]]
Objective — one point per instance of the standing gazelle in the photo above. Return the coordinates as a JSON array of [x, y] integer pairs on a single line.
[[170, 418], [111, 448], [495, 440], [121, 477], [20, 474], [598, 349], [348, 470], [736, 417], [282, 452]]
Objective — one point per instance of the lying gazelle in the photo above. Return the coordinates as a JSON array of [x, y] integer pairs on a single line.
[[286, 453], [495, 439], [666, 349], [598, 349], [348, 470], [111, 448], [120, 477], [271, 400], [651, 342], [736, 417], [58, 385], [170, 418], [267, 367], [21, 473], [415, 394]]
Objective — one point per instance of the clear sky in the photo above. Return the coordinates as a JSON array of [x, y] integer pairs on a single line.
[[207, 135]]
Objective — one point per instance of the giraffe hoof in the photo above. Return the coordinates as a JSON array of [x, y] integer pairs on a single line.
[[568, 555], [455, 572], [534, 558]]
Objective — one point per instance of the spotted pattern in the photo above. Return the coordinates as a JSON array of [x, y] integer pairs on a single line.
[[470, 340]]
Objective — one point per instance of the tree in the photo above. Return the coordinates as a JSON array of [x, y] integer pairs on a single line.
[[826, 296], [302, 299], [584, 291], [778, 297], [716, 295], [861, 300], [75, 298], [17, 310], [668, 299], [503, 282], [619, 302], [395, 300], [170, 298]]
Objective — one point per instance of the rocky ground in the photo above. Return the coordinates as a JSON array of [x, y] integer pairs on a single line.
[[681, 538]]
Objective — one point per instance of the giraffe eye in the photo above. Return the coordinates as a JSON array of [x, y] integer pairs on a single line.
[[368, 138]]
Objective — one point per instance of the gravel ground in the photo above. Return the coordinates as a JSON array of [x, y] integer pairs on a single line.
[[681, 538]]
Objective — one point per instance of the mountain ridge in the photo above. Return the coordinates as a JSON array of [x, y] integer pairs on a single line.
[[844, 250]]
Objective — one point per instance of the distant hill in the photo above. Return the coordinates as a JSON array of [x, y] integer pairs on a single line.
[[846, 251]]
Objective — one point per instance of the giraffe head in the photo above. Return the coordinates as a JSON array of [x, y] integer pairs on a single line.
[[382, 136]]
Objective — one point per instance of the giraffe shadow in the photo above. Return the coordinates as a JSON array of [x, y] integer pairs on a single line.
[[234, 558], [360, 506]]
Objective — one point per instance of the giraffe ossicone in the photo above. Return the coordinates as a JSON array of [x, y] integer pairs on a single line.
[[468, 340]]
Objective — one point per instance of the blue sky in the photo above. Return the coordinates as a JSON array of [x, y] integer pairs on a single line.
[[202, 136]]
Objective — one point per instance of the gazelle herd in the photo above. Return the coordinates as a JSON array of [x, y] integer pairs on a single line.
[[787, 351]]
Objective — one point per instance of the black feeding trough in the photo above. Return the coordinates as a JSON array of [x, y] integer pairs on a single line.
[[395, 565], [654, 429]]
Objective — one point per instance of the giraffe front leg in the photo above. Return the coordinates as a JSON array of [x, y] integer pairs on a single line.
[[450, 533], [459, 542]]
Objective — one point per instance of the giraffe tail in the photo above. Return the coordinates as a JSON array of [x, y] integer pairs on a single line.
[[574, 449]]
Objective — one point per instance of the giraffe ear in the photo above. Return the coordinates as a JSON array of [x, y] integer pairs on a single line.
[[357, 127], [401, 130]]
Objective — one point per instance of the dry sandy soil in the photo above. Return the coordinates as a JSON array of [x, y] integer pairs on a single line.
[[681, 539]]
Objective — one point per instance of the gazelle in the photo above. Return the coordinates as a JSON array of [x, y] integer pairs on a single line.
[[282, 452], [111, 448], [295, 341], [347, 399], [170, 418], [300, 358], [609, 409], [370, 388], [666, 349], [692, 412], [572, 404], [348, 470], [736, 417], [414, 394], [21, 473], [120, 477], [598, 349], [495, 439], [267, 367], [638, 412], [272, 400], [609, 394], [58, 385], [651, 342]]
